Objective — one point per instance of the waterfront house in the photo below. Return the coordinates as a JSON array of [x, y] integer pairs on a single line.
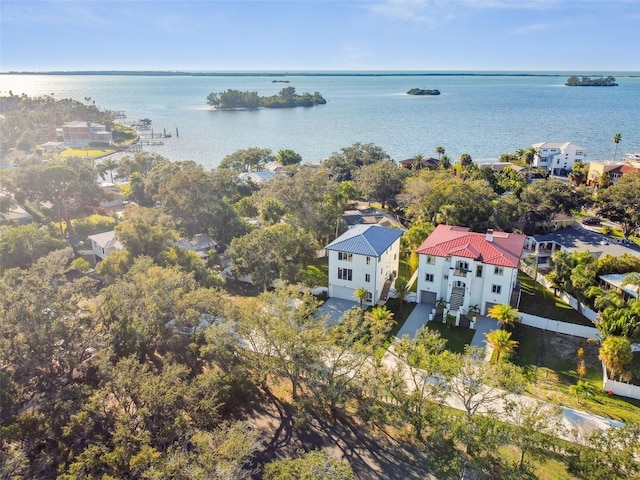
[[364, 256], [615, 170], [81, 134], [104, 244], [467, 269], [557, 158]]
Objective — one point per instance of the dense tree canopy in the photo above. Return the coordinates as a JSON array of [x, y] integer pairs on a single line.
[[380, 181], [544, 198], [248, 160], [193, 200], [278, 251], [621, 203], [343, 165], [440, 198], [21, 246]]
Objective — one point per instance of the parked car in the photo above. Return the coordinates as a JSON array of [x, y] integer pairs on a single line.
[[591, 221]]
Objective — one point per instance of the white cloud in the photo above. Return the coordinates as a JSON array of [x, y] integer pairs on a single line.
[[418, 11], [532, 28]]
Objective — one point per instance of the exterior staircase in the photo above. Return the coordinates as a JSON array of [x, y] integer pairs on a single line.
[[385, 291], [457, 299]]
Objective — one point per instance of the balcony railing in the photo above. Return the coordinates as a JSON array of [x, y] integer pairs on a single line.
[[460, 273]]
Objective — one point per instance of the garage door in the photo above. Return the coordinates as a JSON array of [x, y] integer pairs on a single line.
[[487, 306], [428, 297], [343, 292]]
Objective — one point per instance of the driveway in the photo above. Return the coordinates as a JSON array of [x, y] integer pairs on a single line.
[[483, 326], [334, 308], [416, 320]]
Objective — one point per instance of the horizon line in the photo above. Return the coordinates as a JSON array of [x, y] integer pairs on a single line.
[[327, 72]]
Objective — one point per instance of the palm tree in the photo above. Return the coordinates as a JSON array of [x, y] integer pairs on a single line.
[[360, 294], [440, 151], [465, 160], [107, 165], [633, 279], [381, 317], [417, 162], [402, 290], [506, 315], [604, 180], [501, 342], [616, 139], [616, 354], [444, 163]]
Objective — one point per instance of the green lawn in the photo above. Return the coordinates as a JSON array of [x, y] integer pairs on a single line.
[[550, 359], [457, 338], [88, 152], [538, 300], [404, 273]]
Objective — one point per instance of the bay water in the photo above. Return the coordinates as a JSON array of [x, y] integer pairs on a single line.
[[480, 114]]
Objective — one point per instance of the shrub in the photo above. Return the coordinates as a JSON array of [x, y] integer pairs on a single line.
[[80, 264], [93, 224]]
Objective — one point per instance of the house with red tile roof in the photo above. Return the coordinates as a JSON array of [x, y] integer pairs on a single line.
[[468, 269]]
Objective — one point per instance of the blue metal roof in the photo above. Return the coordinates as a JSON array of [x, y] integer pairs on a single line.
[[371, 240]]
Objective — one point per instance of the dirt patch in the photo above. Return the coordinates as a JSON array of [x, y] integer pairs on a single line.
[[565, 347]]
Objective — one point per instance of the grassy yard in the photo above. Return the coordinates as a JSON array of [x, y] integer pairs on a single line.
[[538, 300], [88, 152], [457, 338], [550, 358]]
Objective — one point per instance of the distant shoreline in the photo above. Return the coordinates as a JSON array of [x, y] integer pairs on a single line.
[[165, 73]]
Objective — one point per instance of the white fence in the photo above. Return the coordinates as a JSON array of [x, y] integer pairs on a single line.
[[619, 388], [559, 327]]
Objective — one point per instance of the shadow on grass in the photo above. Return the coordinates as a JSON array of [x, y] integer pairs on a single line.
[[540, 301]]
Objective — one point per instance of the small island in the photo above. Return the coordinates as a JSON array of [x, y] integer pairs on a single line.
[[279, 81], [420, 91], [574, 81], [286, 98]]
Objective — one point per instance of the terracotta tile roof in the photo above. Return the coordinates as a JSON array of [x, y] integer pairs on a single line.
[[445, 241]]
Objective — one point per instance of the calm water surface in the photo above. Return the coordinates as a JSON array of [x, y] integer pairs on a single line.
[[480, 115]]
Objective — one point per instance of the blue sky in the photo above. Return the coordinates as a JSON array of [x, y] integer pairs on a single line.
[[566, 35]]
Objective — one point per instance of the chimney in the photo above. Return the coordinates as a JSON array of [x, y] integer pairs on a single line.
[[489, 236]]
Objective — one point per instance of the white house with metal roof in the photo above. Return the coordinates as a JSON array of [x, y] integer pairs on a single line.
[[364, 256], [103, 244]]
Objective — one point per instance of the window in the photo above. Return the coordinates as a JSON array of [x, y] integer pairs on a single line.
[[498, 270], [345, 274], [496, 288], [367, 277], [347, 257], [369, 298], [428, 277], [430, 260], [368, 260], [479, 271]]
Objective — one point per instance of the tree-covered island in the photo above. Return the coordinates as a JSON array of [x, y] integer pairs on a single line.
[[421, 91], [286, 98], [574, 81]]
